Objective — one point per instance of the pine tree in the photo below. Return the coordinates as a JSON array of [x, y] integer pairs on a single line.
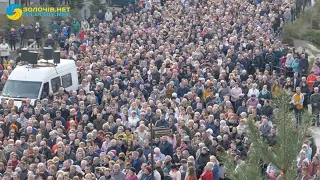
[[75, 13], [283, 156], [96, 5], [52, 3], [8, 26], [76, 4], [250, 169]]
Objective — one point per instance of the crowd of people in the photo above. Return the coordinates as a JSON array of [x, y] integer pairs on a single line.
[[200, 68]]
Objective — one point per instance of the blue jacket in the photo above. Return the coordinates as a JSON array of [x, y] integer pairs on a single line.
[[146, 177], [166, 148], [38, 32], [116, 148], [22, 31], [162, 123], [12, 35], [295, 66], [215, 171], [182, 91], [136, 163], [61, 41], [55, 27], [65, 32]]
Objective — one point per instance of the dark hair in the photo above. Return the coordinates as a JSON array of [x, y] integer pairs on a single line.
[[140, 151], [173, 166]]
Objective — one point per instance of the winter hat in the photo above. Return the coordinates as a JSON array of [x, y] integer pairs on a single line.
[[148, 168], [166, 170]]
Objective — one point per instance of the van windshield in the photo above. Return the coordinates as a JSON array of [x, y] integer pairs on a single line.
[[21, 89]]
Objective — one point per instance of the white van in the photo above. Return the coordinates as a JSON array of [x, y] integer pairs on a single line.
[[35, 82]]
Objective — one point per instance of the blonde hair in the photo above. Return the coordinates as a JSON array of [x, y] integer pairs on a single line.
[[214, 159], [209, 166], [190, 158], [60, 172]]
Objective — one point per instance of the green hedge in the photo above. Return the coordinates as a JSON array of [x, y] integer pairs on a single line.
[[313, 36]]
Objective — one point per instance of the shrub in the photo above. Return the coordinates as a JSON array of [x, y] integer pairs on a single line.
[[313, 36]]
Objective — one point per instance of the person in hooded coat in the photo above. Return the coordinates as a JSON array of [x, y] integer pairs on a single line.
[[203, 159]]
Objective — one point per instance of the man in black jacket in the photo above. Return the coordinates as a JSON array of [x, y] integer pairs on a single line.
[[304, 65], [315, 104], [45, 150], [68, 154], [267, 110], [270, 59], [24, 170]]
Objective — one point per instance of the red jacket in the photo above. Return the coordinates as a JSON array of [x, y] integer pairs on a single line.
[[311, 167], [13, 164], [206, 175], [133, 177], [81, 35]]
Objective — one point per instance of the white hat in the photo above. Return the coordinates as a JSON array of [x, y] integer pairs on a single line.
[[304, 146]]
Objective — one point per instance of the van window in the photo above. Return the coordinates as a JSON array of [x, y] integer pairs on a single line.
[[45, 90], [21, 89], [55, 84], [66, 80]]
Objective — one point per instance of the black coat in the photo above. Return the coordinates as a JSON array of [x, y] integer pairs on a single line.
[[49, 42], [203, 160], [47, 152], [6, 128], [70, 156], [166, 148], [24, 174]]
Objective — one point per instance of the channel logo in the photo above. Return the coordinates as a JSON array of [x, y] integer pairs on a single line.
[[14, 12]]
